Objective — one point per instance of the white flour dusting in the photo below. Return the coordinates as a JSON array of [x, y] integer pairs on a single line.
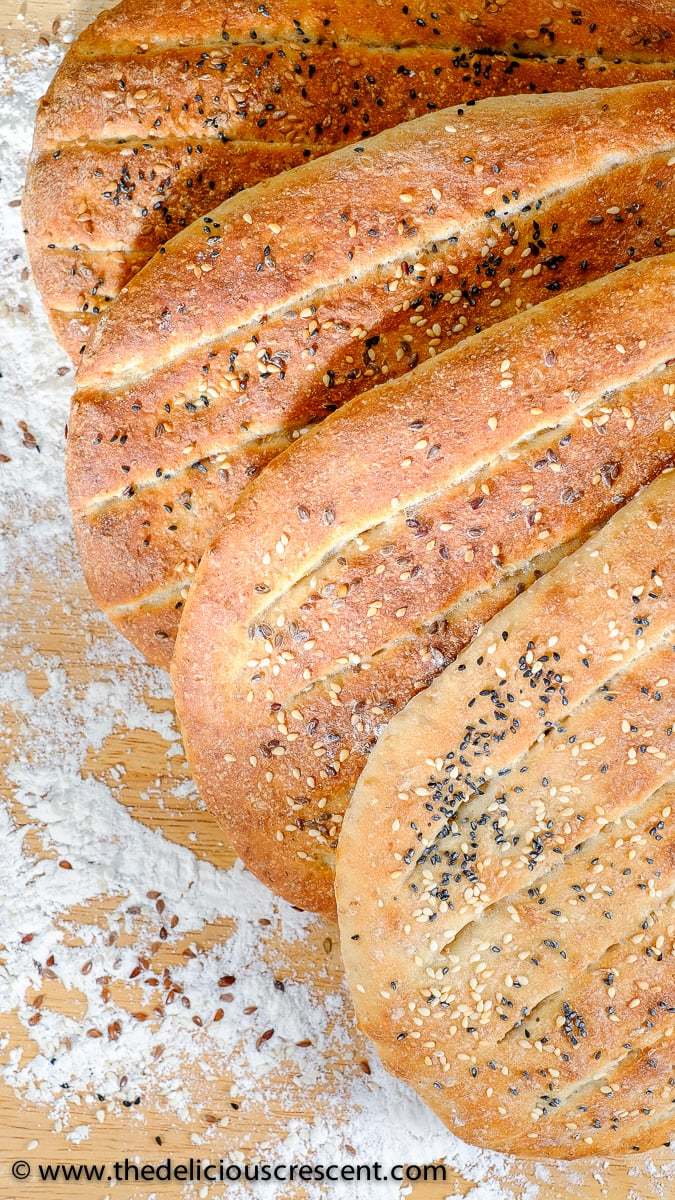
[[67, 840]]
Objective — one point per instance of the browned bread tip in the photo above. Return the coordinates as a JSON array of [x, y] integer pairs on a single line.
[[300, 293], [367, 556], [506, 869]]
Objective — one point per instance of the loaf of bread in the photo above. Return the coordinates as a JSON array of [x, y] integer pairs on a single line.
[[300, 293], [160, 111], [506, 870], [365, 557]]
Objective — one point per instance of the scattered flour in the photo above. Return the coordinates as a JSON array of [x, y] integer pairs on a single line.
[[68, 841]]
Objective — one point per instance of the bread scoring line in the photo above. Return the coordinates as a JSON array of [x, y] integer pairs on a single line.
[[661, 923], [649, 1037], [126, 49], [163, 596], [127, 251], [250, 726], [511, 456], [518, 571], [565, 980], [149, 141], [595, 839], [612, 1070], [594, 1082], [286, 314], [642, 649], [650, 645], [651, 801], [121, 380], [596, 842], [639, 815], [501, 459], [644, 1033], [104, 501]]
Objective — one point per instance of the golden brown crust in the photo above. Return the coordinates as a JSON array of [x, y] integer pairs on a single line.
[[160, 111], [346, 579], [506, 869], [622, 28], [252, 326], [365, 206]]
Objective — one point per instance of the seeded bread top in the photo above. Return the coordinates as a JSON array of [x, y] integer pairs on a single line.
[[160, 111], [507, 864], [310, 289], [367, 556]]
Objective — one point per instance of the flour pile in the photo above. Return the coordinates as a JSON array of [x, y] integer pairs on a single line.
[[158, 1005]]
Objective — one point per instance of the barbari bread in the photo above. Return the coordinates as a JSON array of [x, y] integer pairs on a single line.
[[365, 557], [300, 293], [506, 870], [161, 110]]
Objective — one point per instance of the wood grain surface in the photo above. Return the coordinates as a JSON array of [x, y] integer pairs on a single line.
[[60, 626]]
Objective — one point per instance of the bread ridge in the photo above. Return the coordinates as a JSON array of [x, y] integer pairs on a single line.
[[384, 304], [377, 402], [614, 28], [174, 111], [603, 128], [80, 101], [126, 457], [294, 520], [582, 796]]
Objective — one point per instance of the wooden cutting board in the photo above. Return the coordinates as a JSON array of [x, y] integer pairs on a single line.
[[53, 626]]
